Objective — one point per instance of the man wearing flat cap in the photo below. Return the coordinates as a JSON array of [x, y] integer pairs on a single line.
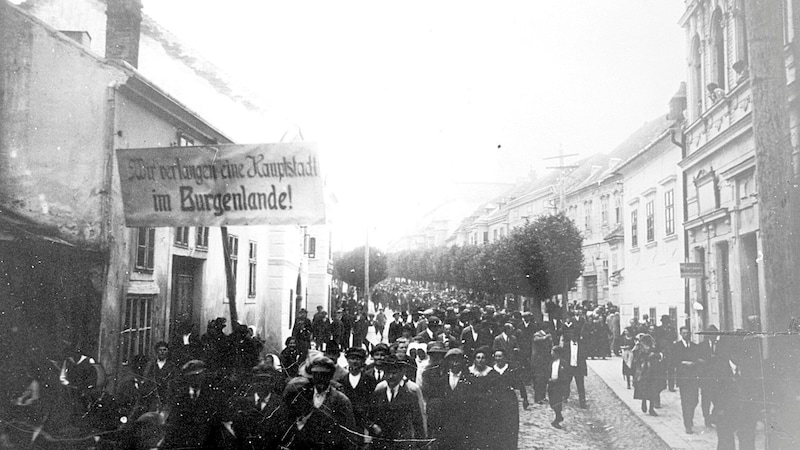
[[318, 411], [395, 328], [397, 408], [358, 386]]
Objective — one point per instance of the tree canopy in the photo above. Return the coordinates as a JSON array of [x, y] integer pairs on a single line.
[[539, 259], [349, 267]]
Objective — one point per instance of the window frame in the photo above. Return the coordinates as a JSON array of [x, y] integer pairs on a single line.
[[233, 248], [635, 228], [252, 269], [650, 220], [201, 237], [669, 212], [136, 335], [182, 237], [144, 259]]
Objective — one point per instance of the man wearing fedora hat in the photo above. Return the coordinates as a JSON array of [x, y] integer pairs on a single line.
[[397, 408], [194, 419]]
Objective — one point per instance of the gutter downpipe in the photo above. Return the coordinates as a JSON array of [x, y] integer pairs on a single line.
[[111, 293], [687, 310]]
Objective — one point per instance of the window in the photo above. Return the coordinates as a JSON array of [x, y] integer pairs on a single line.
[[233, 247], [604, 210], [251, 284], [669, 212], [136, 333], [202, 237], [485, 237], [617, 208], [740, 65], [312, 247], [650, 221], [145, 249], [587, 216], [653, 315], [184, 141], [636, 313], [182, 236], [494, 235], [696, 103], [634, 229], [718, 36]]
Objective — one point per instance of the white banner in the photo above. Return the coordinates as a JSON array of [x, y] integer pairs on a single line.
[[220, 185]]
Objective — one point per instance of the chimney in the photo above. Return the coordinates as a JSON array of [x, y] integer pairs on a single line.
[[123, 25]]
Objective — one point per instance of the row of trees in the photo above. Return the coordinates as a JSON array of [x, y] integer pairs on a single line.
[[540, 259]]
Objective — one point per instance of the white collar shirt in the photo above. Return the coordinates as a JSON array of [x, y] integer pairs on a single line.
[[354, 379], [453, 379], [554, 370], [319, 397]]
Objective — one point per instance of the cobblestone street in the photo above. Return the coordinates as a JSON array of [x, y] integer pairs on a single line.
[[606, 424]]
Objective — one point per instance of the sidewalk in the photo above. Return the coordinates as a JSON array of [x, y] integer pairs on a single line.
[[668, 425]]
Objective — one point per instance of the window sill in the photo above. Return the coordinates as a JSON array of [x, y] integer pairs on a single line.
[[671, 237], [635, 249], [181, 245], [201, 248], [651, 244]]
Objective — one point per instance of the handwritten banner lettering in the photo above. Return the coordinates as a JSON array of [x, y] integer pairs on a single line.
[[219, 185]]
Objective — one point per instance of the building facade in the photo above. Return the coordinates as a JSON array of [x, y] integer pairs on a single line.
[[719, 165]]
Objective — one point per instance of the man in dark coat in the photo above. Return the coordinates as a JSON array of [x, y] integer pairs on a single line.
[[708, 392], [686, 357], [395, 328], [541, 358], [738, 383], [574, 345], [397, 409], [665, 336], [430, 333], [194, 420], [507, 342], [558, 384], [525, 331], [158, 375], [337, 329], [318, 411], [302, 332], [358, 386], [474, 336]]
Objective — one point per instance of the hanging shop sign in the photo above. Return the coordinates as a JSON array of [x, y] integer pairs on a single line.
[[692, 270], [221, 185]]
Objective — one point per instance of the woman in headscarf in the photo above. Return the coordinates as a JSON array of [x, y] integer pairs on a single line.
[[506, 407], [646, 366], [482, 420]]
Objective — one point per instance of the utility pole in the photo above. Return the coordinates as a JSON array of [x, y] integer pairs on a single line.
[[562, 197], [777, 198], [367, 294], [773, 151]]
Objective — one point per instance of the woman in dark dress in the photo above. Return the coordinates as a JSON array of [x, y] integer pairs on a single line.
[[646, 365], [505, 418], [483, 419], [291, 357]]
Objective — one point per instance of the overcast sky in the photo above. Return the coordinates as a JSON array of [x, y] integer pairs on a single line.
[[404, 98]]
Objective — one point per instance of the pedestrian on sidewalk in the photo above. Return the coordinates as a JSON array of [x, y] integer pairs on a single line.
[[558, 384], [574, 344], [687, 357], [626, 346], [646, 362]]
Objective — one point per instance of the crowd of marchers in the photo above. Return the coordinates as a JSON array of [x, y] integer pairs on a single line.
[[446, 374]]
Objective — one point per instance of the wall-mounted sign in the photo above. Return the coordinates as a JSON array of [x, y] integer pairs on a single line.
[[220, 185], [692, 270]]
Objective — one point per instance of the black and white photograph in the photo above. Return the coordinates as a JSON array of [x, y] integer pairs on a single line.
[[361, 225]]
